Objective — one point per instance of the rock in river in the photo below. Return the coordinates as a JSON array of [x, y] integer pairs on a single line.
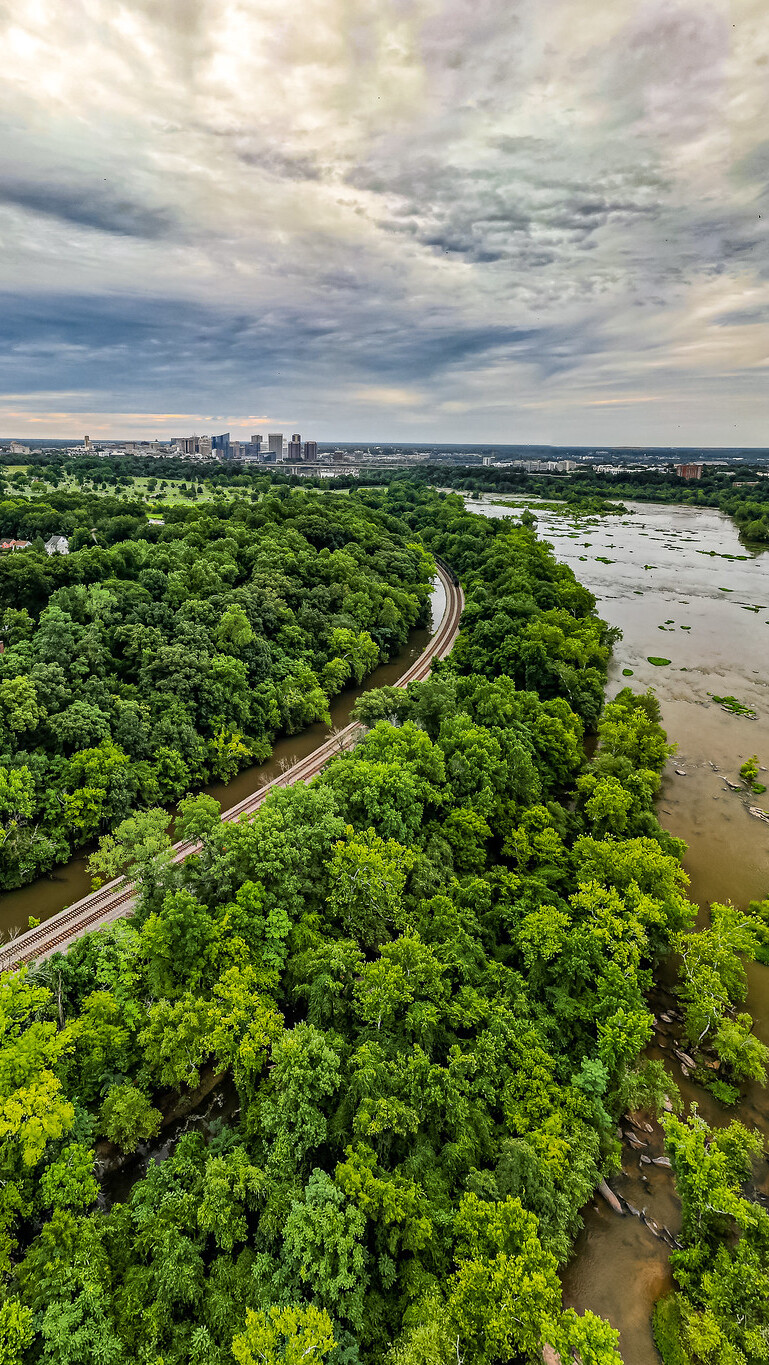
[[610, 1197]]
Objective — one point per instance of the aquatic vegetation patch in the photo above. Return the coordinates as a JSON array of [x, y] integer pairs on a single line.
[[734, 705], [714, 554], [749, 774], [628, 673], [657, 660]]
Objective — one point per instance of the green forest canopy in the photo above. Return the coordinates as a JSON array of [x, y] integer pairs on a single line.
[[419, 986], [153, 659]]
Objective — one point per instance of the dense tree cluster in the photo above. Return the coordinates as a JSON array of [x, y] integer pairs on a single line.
[[157, 657], [420, 983], [418, 987], [720, 1310]]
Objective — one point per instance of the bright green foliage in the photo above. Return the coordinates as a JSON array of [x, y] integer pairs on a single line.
[[16, 1331], [231, 1186], [33, 1108], [197, 817], [69, 1182], [178, 1039], [138, 846], [285, 1336], [128, 1118], [750, 770], [721, 1310], [323, 1249], [400, 1012], [367, 877], [745, 1056], [713, 981], [305, 1074]]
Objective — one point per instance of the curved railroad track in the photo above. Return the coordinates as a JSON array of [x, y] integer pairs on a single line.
[[116, 898]]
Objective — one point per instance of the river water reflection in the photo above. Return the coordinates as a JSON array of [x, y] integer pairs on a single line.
[[658, 574]]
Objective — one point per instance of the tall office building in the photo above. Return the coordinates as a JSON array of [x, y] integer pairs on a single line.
[[295, 447], [256, 444], [311, 450], [220, 446], [275, 444]]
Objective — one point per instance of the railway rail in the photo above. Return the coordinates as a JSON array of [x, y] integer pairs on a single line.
[[116, 898]]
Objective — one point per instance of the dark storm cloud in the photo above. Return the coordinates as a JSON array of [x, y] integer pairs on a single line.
[[480, 204], [87, 206], [184, 351]]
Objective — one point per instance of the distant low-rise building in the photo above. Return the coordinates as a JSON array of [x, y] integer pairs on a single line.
[[16, 448], [57, 545], [15, 544], [689, 471]]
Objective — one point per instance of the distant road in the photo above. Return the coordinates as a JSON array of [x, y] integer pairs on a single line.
[[116, 898]]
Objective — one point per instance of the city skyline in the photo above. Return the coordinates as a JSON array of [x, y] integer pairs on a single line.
[[417, 222]]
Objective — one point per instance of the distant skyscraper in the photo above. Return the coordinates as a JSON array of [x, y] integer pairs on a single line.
[[295, 447], [87, 442], [256, 442], [311, 450], [221, 445], [275, 444]]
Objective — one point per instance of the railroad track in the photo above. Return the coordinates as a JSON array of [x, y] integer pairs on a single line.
[[116, 898]]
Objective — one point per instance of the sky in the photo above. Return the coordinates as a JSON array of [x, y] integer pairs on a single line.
[[532, 221]]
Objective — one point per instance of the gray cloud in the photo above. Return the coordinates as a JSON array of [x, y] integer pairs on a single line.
[[87, 206], [517, 210]]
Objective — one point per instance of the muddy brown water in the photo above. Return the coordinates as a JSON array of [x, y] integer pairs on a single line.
[[666, 570], [66, 884]]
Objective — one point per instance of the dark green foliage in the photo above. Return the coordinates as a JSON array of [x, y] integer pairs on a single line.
[[420, 981], [155, 659]]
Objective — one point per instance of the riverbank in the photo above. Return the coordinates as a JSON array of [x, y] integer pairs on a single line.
[[680, 585]]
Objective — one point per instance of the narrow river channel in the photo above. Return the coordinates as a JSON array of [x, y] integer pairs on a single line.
[[66, 884], [664, 576]]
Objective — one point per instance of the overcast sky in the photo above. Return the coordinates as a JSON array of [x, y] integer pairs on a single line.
[[468, 220]]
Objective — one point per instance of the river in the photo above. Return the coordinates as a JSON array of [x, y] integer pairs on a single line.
[[658, 573], [68, 883]]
